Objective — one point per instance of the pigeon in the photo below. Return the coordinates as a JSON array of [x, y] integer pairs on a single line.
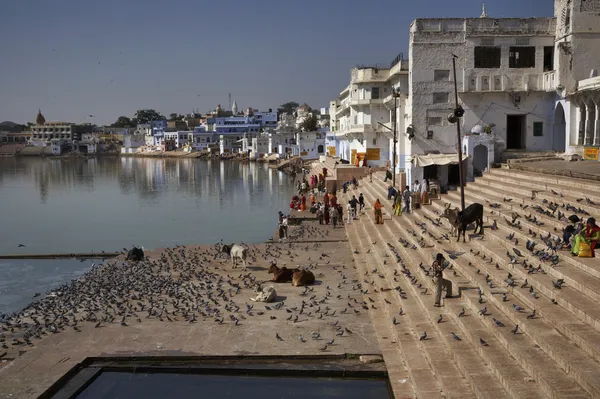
[[440, 319], [516, 329], [531, 315], [461, 313], [483, 311], [504, 297], [482, 342], [423, 336], [456, 337], [498, 323], [518, 308]]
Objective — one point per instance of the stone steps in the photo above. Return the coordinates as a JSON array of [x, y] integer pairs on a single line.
[[542, 191], [437, 346], [552, 379], [581, 293], [587, 266], [553, 181], [393, 347]]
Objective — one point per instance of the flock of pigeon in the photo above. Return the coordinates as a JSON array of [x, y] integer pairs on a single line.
[[195, 285]]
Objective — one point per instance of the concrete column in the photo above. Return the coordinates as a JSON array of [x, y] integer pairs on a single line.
[[581, 131], [596, 141], [589, 128]]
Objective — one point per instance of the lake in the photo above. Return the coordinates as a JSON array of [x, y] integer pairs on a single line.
[[108, 203]]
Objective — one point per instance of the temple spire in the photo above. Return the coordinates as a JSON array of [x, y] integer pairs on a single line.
[[483, 12]]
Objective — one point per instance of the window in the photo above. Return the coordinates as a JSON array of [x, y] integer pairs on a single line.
[[440, 75], [538, 129], [440, 98], [548, 58], [521, 57], [375, 93], [434, 121], [374, 141], [522, 41], [487, 41], [487, 57]]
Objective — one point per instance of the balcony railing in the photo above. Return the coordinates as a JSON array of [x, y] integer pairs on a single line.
[[549, 81]]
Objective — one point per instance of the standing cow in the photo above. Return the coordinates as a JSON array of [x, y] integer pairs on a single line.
[[236, 252]]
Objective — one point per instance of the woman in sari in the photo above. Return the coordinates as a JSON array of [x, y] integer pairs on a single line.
[[313, 200], [377, 208], [587, 239], [326, 199], [303, 203], [398, 205]]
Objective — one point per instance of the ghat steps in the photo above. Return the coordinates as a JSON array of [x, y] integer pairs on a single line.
[[555, 354]]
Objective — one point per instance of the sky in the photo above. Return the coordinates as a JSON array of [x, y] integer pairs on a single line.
[[76, 58]]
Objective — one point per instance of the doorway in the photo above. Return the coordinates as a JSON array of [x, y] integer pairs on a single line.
[[453, 175], [515, 137], [560, 129], [430, 172], [480, 160]]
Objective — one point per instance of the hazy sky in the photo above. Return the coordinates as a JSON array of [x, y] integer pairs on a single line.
[[73, 58]]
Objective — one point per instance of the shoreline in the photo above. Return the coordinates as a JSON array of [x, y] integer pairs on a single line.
[[118, 309]]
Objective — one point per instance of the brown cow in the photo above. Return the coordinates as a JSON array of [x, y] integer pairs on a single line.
[[302, 277], [281, 275]]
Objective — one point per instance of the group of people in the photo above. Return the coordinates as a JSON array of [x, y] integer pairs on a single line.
[[403, 201], [581, 239]]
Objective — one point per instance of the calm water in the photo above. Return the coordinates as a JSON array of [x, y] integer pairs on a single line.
[[108, 203], [116, 385]]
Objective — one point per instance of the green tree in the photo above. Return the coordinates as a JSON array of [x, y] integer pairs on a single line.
[[310, 124], [123, 121], [174, 116], [289, 107], [148, 115]]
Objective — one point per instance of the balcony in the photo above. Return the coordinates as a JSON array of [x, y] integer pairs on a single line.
[[478, 81], [549, 81], [368, 75], [364, 102]]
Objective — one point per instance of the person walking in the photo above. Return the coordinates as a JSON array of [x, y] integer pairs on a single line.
[[333, 215], [353, 205], [361, 201], [370, 175], [439, 280], [378, 210], [424, 192], [349, 212], [320, 210], [406, 198]]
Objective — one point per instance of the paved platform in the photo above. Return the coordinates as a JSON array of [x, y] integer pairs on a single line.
[[192, 281]]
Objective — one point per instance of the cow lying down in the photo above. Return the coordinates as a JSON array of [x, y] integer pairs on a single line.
[[264, 294]]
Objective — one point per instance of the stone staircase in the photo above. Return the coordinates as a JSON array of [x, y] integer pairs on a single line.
[[555, 353]]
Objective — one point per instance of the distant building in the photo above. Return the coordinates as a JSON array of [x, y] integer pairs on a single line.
[[44, 131]]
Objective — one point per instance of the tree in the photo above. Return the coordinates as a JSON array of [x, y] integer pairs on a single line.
[[310, 124], [289, 107], [174, 116], [148, 115], [123, 121]]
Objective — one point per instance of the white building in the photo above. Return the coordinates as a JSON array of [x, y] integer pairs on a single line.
[[525, 85], [361, 116]]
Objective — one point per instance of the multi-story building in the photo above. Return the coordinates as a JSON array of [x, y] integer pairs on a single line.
[[526, 84], [43, 132]]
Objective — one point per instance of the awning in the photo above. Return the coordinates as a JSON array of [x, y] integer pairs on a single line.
[[436, 159]]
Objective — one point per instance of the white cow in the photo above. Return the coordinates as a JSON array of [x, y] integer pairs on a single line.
[[236, 252]]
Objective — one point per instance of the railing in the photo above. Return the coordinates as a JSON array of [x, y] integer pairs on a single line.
[[395, 61], [549, 81]]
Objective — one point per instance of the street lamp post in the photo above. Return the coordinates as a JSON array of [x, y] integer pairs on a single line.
[[455, 117], [394, 121]]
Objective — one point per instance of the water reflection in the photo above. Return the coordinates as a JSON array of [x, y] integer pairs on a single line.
[[107, 203], [95, 203]]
